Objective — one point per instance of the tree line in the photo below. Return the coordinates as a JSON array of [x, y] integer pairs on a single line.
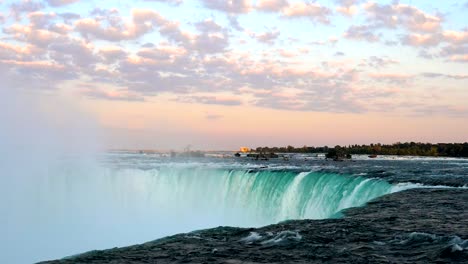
[[404, 149]]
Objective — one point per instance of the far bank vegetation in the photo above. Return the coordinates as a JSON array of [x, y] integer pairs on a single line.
[[402, 149]]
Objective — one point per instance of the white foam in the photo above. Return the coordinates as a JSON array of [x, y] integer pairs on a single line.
[[283, 236], [251, 238], [406, 186]]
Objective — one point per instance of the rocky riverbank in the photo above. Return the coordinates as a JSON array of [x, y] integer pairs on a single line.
[[414, 226]]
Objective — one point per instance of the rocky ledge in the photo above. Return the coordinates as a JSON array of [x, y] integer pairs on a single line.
[[414, 226]]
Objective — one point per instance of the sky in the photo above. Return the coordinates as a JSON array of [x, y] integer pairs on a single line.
[[217, 75]]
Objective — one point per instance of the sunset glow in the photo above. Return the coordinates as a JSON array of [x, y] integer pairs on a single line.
[[164, 74]]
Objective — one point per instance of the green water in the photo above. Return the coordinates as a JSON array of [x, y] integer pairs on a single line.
[[240, 197]]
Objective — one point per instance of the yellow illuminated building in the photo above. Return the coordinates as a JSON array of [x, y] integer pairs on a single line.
[[244, 149]]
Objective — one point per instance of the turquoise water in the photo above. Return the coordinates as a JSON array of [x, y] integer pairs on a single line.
[[66, 209], [258, 198]]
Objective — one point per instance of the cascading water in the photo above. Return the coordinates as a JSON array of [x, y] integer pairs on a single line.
[[178, 199], [246, 198], [74, 207]]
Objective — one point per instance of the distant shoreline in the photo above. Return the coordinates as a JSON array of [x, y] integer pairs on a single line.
[[452, 150]]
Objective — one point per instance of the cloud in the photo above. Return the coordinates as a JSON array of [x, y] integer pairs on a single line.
[[40, 19], [112, 55], [234, 23], [38, 37], [60, 28], [312, 11], [459, 58], [380, 62], [308, 10], [425, 40], [339, 53], [68, 17], [213, 116], [271, 5], [56, 3], [266, 37], [35, 75], [347, 11], [456, 48], [451, 50], [347, 3], [211, 100], [361, 33], [330, 41], [25, 6], [320, 97], [112, 95], [438, 110], [76, 53], [143, 22], [426, 54], [210, 43], [208, 25], [396, 78], [442, 75], [347, 7], [288, 53], [456, 37], [172, 2], [231, 7], [401, 15], [162, 53], [11, 51]]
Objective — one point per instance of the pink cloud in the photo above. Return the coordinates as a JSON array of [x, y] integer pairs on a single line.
[[143, 22], [28, 50], [407, 16], [347, 10], [312, 11], [456, 37], [56, 3], [287, 53], [421, 39], [459, 58], [61, 28], [112, 53], [347, 3], [113, 95], [159, 55], [31, 35], [361, 33], [380, 62], [309, 10], [233, 7], [24, 6], [41, 19], [172, 2], [391, 77], [271, 5], [266, 37], [34, 64], [214, 100]]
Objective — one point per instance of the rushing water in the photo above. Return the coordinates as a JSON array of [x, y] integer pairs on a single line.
[[71, 207]]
